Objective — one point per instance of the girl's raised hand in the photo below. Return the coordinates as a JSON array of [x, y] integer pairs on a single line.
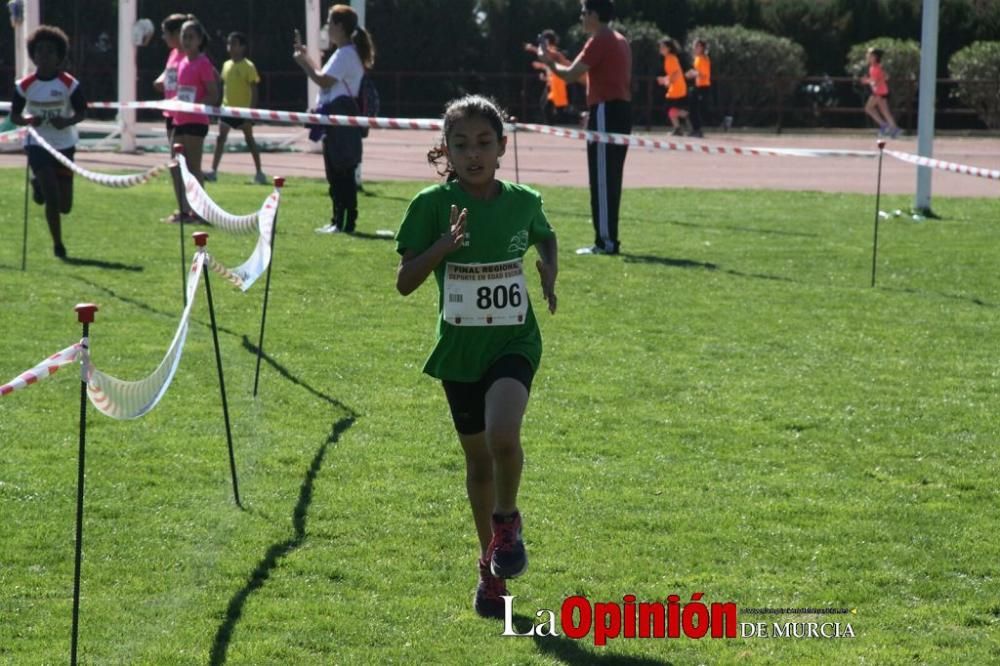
[[456, 231], [298, 49]]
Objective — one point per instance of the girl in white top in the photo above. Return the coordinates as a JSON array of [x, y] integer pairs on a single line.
[[340, 82]]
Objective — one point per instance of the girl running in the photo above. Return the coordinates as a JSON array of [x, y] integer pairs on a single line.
[[472, 232], [877, 106], [197, 82], [676, 85]]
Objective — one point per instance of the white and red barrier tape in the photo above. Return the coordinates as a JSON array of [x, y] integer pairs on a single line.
[[122, 399], [44, 369], [108, 180], [293, 117], [290, 117], [208, 210], [641, 142], [13, 136], [993, 174], [244, 275]]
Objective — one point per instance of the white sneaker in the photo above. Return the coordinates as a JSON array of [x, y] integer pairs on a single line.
[[328, 229], [261, 178], [211, 177]]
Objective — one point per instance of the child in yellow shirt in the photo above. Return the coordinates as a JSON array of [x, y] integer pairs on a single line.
[[239, 80]]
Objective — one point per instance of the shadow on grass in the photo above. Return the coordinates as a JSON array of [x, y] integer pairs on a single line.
[[105, 265], [366, 236], [276, 551], [955, 297], [688, 263], [570, 651], [149, 308], [747, 230], [252, 348]]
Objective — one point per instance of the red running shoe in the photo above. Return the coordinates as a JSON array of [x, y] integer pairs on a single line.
[[508, 559], [488, 602]]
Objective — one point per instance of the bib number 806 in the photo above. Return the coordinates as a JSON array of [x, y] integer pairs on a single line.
[[498, 297]]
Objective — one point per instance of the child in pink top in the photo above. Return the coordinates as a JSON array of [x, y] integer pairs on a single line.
[[877, 106], [197, 82]]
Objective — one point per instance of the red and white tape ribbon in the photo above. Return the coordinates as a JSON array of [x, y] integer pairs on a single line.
[[13, 136], [44, 369], [269, 115], [244, 275], [993, 174], [208, 210], [99, 178], [642, 142], [122, 399], [218, 268]]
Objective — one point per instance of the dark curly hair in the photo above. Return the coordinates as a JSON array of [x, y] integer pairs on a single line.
[[52, 35], [470, 106]]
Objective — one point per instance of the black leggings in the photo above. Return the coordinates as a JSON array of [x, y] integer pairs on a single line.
[[343, 188]]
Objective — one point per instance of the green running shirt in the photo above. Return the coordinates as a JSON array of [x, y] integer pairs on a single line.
[[500, 229]]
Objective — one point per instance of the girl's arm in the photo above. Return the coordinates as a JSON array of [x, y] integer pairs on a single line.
[[414, 268], [548, 269], [17, 114], [158, 84], [212, 90]]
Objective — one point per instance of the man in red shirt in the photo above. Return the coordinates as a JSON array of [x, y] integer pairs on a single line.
[[606, 59]]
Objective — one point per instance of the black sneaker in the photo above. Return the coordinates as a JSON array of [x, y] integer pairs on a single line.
[[508, 558], [488, 601], [59, 250]]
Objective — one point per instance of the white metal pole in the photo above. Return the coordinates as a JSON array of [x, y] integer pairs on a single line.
[[31, 20], [359, 8], [127, 13], [925, 108], [312, 45]]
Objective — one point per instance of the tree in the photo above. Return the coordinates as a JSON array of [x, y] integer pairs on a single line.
[[977, 68]]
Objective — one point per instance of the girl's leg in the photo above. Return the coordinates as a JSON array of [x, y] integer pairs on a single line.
[[883, 107], [506, 402], [871, 108], [193, 146], [48, 183], [65, 191], [251, 144], [479, 486], [220, 145]]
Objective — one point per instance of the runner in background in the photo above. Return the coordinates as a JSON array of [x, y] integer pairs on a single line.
[[877, 106], [472, 233], [555, 97], [673, 80], [701, 74], [50, 100], [239, 89]]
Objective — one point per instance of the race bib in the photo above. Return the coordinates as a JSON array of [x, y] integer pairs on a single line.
[[187, 93], [170, 82], [46, 110], [485, 294]]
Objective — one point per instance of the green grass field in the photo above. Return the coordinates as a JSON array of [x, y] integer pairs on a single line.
[[727, 408]]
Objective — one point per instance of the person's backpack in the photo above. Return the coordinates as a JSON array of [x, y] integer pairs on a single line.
[[368, 100]]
